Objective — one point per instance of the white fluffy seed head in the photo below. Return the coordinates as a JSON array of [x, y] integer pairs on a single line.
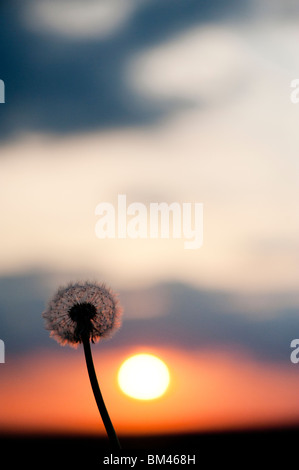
[[82, 308]]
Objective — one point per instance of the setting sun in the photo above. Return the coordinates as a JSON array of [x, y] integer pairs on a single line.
[[143, 376]]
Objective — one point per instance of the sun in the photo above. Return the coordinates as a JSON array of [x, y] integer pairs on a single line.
[[143, 376]]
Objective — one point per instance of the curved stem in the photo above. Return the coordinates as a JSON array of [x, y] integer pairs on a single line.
[[98, 395]]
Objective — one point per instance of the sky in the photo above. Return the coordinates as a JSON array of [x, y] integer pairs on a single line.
[[172, 101]]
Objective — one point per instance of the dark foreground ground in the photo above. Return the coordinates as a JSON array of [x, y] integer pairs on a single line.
[[256, 449]]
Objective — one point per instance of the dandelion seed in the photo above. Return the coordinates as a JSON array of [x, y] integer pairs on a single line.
[[80, 313]]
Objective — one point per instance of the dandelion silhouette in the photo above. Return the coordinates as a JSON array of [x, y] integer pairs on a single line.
[[84, 313]]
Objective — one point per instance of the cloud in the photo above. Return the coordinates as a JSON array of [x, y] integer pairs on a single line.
[[236, 152], [65, 78], [245, 178], [169, 315], [204, 64], [78, 19], [218, 64], [275, 9]]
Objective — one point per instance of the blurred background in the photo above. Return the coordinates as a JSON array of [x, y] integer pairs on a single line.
[[161, 100]]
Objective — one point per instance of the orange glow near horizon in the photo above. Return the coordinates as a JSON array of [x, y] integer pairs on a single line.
[[208, 390]]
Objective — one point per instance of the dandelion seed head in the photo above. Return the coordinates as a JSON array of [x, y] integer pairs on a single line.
[[82, 310]]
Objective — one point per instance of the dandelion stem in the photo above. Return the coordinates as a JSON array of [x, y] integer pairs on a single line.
[[98, 395]]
